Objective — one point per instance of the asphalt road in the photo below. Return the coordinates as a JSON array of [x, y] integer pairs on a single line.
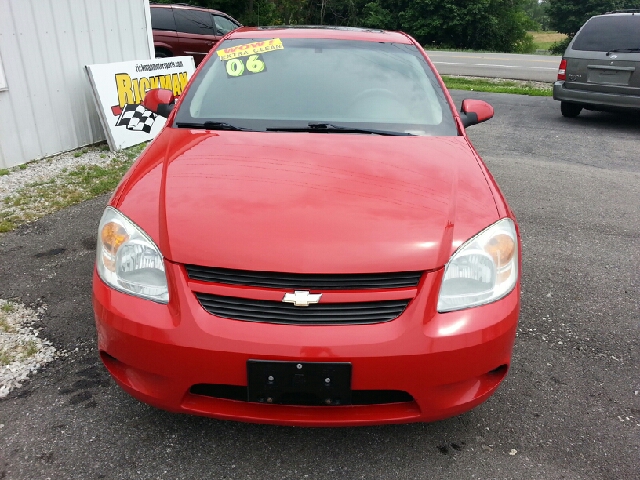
[[539, 68], [570, 406]]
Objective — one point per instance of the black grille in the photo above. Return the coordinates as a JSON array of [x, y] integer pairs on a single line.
[[285, 313], [291, 281], [358, 397]]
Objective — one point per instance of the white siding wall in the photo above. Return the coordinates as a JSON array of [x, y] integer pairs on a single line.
[[44, 46]]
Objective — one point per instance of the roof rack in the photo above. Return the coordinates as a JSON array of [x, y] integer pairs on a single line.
[[628, 10]]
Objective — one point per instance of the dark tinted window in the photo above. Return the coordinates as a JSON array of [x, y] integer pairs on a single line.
[[194, 21], [224, 25], [612, 32], [162, 19]]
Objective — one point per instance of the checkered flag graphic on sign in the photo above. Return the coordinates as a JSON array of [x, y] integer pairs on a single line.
[[136, 118]]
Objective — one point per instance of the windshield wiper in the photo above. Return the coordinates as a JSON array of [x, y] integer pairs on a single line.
[[623, 50], [212, 126], [330, 128]]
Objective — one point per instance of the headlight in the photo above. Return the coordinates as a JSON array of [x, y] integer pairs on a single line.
[[128, 260], [482, 270]]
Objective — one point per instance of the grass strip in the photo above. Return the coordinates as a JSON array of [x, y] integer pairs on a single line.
[[76, 185], [544, 40], [495, 85]]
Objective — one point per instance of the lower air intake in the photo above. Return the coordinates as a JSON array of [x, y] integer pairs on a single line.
[[358, 397]]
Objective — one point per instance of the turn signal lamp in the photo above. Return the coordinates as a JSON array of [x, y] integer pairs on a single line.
[[112, 236]]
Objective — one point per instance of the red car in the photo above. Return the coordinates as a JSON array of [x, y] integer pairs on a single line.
[[187, 30], [311, 240]]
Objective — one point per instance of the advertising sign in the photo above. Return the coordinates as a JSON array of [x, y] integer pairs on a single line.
[[119, 88]]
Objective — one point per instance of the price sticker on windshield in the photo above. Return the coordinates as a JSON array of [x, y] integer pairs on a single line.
[[249, 49], [237, 67]]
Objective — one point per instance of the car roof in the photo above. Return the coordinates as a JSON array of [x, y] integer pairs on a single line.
[[628, 11], [185, 6], [328, 32]]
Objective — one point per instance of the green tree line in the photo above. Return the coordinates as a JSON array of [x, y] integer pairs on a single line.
[[567, 16], [494, 25]]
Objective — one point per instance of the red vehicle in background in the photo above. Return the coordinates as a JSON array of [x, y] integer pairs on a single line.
[[186, 30]]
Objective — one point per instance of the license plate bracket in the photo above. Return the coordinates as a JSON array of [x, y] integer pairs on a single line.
[[299, 383], [609, 76]]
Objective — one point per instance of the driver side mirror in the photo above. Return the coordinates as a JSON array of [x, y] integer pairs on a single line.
[[474, 112], [160, 101]]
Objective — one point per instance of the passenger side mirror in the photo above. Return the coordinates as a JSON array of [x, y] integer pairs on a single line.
[[160, 101], [475, 111]]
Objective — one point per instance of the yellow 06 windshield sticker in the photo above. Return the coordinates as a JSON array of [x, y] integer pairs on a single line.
[[255, 48], [236, 67]]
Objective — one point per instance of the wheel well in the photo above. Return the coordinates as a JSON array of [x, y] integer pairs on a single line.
[[164, 50]]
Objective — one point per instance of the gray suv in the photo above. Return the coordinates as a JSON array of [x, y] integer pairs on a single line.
[[600, 69]]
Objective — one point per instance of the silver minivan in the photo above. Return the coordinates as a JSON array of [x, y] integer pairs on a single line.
[[600, 69]]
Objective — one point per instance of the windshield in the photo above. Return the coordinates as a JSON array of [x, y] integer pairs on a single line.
[[294, 83], [608, 33]]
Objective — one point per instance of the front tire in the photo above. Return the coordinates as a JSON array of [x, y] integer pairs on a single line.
[[570, 110]]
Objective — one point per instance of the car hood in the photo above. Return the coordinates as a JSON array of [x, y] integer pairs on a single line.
[[308, 203]]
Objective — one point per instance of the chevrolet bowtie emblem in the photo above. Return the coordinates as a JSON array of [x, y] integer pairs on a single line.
[[301, 298]]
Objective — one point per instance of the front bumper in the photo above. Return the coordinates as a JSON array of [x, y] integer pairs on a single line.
[[448, 363], [595, 100]]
